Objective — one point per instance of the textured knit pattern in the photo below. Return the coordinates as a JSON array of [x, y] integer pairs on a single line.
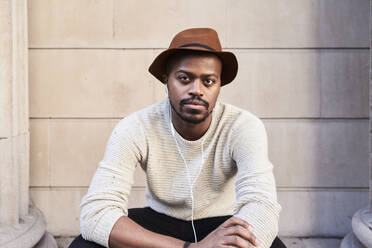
[[235, 179]]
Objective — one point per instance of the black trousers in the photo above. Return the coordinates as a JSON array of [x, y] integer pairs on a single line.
[[164, 224]]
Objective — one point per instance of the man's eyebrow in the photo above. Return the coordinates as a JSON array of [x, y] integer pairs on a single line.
[[190, 73], [184, 72], [211, 74]]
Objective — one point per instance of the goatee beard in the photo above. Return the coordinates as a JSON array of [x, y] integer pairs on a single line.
[[190, 119]]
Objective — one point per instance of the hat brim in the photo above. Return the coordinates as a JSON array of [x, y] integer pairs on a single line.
[[228, 59]]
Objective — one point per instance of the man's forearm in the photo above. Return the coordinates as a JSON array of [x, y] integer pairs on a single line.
[[128, 234], [234, 232]]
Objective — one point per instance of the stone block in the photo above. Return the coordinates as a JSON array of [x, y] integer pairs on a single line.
[[240, 91], [89, 83], [319, 153], [301, 83], [276, 83], [304, 213], [76, 148], [70, 23], [159, 87], [102, 23], [60, 207], [154, 23], [139, 178], [344, 23], [292, 242], [322, 213], [303, 86], [39, 152], [137, 198], [322, 242], [292, 23], [348, 149], [344, 83], [305, 153]]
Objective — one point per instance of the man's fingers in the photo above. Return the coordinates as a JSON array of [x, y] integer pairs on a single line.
[[237, 221], [242, 232], [237, 241]]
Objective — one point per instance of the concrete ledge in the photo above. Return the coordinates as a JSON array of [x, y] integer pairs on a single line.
[[27, 233]]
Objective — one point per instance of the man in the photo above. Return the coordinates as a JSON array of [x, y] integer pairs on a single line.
[[204, 160]]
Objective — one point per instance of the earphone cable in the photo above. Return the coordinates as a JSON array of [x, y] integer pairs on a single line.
[[188, 174]]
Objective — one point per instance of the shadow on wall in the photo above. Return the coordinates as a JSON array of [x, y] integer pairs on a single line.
[[310, 87]]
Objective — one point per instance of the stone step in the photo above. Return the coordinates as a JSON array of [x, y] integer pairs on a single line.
[[293, 242]]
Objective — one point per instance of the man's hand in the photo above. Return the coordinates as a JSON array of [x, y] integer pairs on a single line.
[[234, 232]]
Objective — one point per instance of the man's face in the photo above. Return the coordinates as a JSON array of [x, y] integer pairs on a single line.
[[194, 83]]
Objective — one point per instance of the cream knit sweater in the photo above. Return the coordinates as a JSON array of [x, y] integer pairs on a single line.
[[236, 177]]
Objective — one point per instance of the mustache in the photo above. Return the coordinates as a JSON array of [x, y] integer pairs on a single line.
[[196, 99]]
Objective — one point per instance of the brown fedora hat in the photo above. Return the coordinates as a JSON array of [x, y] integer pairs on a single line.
[[197, 39]]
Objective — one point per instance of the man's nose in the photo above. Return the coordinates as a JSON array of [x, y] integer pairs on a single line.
[[196, 88]]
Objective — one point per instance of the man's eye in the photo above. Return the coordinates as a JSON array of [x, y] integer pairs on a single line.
[[183, 78], [210, 81]]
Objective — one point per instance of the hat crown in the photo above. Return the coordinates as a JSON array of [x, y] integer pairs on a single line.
[[197, 39], [202, 38]]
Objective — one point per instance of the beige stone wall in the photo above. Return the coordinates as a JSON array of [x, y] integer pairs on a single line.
[[303, 70]]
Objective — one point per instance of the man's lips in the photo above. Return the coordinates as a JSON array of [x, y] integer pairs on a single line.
[[194, 106], [194, 102]]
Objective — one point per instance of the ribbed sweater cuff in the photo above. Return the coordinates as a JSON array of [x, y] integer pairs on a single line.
[[105, 225], [263, 220]]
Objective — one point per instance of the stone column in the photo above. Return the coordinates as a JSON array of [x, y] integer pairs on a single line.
[[361, 235], [21, 224]]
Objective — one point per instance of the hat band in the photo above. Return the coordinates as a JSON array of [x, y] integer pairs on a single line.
[[198, 45]]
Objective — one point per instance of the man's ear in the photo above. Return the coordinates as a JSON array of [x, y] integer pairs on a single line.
[[164, 79]]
